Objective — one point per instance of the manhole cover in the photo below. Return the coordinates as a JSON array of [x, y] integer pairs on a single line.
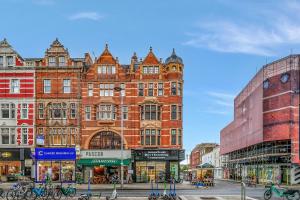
[[208, 198]]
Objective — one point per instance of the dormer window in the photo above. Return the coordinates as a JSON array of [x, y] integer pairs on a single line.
[[150, 69], [51, 61], [1, 61], [110, 69], [10, 61], [61, 61]]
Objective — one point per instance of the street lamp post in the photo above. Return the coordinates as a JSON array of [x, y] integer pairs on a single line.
[[119, 89]]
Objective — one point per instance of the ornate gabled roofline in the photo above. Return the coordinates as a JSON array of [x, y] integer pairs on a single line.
[[106, 56], [150, 58]]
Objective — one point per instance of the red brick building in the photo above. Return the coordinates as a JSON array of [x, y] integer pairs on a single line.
[[198, 152], [58, 103], [152, 115], [263, 139], [16, 112]]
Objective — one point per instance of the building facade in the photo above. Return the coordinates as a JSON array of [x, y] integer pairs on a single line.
[[213, 158], [58, 103], [198, 152], [17, 94], [145, 98], [266, 126]]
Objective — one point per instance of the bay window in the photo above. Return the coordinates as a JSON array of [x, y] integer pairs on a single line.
[[150, 112], [106, 112]]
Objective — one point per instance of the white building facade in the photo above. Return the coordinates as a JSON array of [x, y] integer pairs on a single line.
[[213, 158]]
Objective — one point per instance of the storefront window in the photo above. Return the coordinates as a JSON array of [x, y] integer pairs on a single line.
[[68, 171], [147, 171]]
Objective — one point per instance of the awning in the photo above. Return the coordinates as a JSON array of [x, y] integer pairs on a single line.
[[205, 166], [103, 162]]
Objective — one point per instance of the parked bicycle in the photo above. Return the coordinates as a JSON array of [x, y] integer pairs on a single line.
[[68, 191], [289, 194]]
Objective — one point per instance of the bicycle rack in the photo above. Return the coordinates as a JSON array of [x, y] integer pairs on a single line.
[[243, 191]]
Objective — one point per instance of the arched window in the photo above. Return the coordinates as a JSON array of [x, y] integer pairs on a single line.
[[105, 140]]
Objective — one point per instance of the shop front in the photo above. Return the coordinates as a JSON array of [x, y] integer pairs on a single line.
[[101, 166], [14, 162], [57, 163], [157, 165]]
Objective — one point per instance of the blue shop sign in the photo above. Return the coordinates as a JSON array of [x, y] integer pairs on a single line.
[[55, 154]]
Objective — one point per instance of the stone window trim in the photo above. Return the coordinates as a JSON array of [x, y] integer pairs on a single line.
[[150, 136], [150, 111], [8, 111], [176, 88], [176, 112], [7, 135], [176, 136]]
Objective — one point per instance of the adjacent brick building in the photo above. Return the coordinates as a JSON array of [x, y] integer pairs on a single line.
[[16, 112], [263, 139]]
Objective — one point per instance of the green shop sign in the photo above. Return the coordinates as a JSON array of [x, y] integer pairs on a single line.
[[103, 162]]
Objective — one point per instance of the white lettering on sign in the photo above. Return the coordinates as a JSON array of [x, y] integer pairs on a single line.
[[105, 154]]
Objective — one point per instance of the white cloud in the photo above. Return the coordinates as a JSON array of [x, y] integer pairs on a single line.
[[220, 103], [275, 29], [86, 15]]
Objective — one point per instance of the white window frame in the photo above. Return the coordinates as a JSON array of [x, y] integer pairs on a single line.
[[15, 86], [88, 115], [24, 109], [47, 86], [51, 61], [10, 64], [66, 86], [61, 61]]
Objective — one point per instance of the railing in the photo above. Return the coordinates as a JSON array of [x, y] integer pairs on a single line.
[[243, 191]]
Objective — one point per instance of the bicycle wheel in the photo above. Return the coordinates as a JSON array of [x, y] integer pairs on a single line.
[[294, 196], [267, 194], [10, 195], [72, 192], [56, 194]]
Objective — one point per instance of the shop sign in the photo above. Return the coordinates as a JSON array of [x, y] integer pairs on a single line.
[[105, 154], [55, 154], [103, 162], [40, 139], [14, 154], [156, 155]]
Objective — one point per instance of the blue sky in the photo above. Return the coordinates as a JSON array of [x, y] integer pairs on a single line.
[[223, 43]]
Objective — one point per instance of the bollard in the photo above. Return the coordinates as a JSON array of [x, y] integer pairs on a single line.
[[243, 191]]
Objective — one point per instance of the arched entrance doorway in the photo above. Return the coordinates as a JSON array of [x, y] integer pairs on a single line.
[[105, 140], [102, 161]]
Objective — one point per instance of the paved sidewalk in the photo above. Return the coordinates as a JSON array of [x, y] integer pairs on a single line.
[[132, 186], [188, 197]]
